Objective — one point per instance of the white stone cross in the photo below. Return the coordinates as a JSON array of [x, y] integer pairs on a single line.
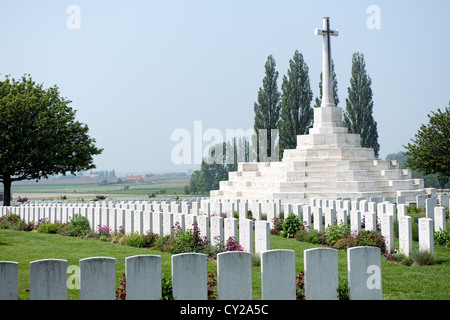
[[327, 80]]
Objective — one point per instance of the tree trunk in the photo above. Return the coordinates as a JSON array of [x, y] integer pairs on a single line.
[[7, 190]]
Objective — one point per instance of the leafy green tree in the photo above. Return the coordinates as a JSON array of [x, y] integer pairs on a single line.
[[429, 151], [194, 182], [267, 108], [442, 180], [296, 115], [39, 135], [358, 117], [318, 101]]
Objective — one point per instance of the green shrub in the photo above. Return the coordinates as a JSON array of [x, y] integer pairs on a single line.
[[310, 236], [422, 258], [13, 221], [211, 251], [138, 240], [367, 238], [47, 227], [335, 233], [256, 260], [277, 226], [442, 238], [414, 209], [399, 257], [78, 227], [185, 241], [163, 243], [290, 226], [166, 287], [342, 289], [340, 244]]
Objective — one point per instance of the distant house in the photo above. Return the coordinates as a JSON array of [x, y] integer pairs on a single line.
[[90, 175], [134, 179]]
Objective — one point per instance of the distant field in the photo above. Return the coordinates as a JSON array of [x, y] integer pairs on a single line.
[[76, 188]]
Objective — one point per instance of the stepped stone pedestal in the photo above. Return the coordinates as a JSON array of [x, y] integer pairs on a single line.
[[328, 162]]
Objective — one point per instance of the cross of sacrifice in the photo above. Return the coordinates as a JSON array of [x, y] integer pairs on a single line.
[[327, 81]]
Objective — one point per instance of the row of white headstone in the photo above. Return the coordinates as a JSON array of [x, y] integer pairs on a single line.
[[160, 217], [96, 278], [132, 217], [380, 215]]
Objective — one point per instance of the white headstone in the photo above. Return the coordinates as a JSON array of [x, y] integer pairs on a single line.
[[321, 273], [48, 279], [230, 229], [167, 223], [243, 209], [370, 221], [189, 276], [158, 222], [405, 235], [401, 210], [297, 210], [330, 214], [364, 273], [246, 234], [203, 225], [138, 224], [430, 204], [420, 199], [262, 236], [9, 280], [372, 207], [444, 200], [391, 209], [234, 275], [387, 230], [426, 242], [180, 218], [342, 217], [143, 277], [190, 220], [317, 215], [271, 212], [439, 219], [129, 221], [278, 275], [307, 216], [355, 221], [147, 221], [401, 200], [216, 230], [98, 278]]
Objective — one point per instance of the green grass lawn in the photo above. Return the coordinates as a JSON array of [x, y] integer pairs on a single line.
[[399, 282]]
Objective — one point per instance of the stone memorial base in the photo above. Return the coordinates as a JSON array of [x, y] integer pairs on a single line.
[[328, 163]]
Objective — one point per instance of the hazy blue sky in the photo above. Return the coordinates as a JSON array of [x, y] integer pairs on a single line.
[[136, 71]]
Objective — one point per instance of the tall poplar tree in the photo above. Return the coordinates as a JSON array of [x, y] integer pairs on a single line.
[[296, 115], [358, 117], [267, 107], [335, 89]]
